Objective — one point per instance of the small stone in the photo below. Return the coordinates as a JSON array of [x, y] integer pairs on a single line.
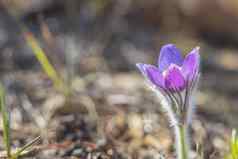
[[110, 152], [77, 152]]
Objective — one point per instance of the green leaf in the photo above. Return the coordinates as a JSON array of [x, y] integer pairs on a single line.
[[233, 154], [6, 122]]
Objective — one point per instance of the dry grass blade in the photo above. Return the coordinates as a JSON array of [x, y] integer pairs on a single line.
[[45, 63], [26, 148]]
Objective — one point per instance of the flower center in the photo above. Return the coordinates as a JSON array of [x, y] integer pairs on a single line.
[[166, 71]]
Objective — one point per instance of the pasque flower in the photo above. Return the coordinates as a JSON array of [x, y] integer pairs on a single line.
[[174, 80], [173, 73]]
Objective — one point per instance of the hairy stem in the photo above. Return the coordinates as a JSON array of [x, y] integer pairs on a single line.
[[182, 145]]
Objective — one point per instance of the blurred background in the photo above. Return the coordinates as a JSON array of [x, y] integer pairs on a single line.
[[94, 46]]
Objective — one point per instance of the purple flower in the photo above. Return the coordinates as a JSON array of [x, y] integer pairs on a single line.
[[173, 73]]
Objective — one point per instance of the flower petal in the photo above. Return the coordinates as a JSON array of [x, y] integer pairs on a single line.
[[152, 73], [141, 67], [190, 66], [174, 79], [169, 54]]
